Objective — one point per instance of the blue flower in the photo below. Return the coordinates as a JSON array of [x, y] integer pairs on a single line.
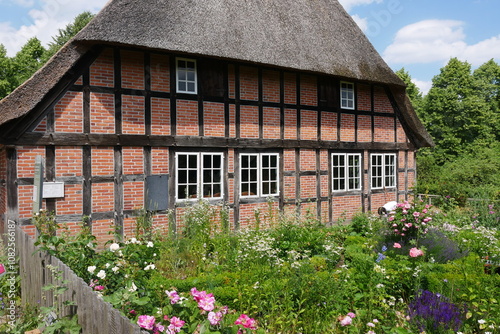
[[380, 257]]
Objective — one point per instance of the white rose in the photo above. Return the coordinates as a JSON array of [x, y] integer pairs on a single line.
[[114, 246], [115, 269], [101, 274], [132, 288], [91, 269], [150, 244]]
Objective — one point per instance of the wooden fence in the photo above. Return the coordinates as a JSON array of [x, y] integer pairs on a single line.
[[94, 315]]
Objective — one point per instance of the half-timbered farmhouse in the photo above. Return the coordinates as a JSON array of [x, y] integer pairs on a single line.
[[156, 104]]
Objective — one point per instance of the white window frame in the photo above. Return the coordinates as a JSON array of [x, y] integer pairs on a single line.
[[182, 74], [347, 98], [259, 173], [200, 175], [383, 170], [347, 171]]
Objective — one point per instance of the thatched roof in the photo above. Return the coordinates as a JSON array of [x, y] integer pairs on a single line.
[[307, 35]]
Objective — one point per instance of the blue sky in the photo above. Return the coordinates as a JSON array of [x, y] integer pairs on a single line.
[[419, 35]]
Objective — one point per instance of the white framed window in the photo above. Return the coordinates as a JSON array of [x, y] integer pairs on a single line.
[[259, 174], [383, 170], [346, 95], [198, 175], [186, 76], [346, 171]]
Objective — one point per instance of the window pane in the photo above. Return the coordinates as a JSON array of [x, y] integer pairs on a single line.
[[253, 175], [190, 87], [182, 191], [207, 176], [265, 174], [193, 161], [182, 161], [253, 189], [182, 175], [192, 191], [192, 174], [265, 188]]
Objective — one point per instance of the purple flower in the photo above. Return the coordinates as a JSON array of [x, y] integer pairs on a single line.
[[432, 313]]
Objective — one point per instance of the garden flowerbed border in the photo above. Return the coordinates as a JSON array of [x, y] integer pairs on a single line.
[[95, 316]]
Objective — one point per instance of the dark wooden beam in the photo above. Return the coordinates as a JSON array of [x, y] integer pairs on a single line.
[[11, 184], [77, 139]]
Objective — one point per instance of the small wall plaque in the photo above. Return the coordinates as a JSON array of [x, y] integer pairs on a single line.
[[53, 189]]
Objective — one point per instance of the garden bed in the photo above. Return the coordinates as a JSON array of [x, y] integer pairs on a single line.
[[416, 270]]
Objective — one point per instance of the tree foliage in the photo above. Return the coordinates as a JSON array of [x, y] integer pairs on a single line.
[[462, 114], [33, 55]]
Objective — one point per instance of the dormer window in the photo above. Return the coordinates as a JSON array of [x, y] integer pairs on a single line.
[[186, 76], [347, 95]]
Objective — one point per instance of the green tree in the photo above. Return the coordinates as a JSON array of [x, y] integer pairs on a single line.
[[64, 35], [455, 113], [28, 60], [15, 70], [7, 84], [412, 90], [461, 112]]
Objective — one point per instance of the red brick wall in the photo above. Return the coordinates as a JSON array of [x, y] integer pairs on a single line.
[[384, 129], [364, 97], [69, 113], [290, 88], [270, 86], [160, 117], [347, 129], [308, 90], [132, 69], [309, 125], [159, 160], [213, 118], [271, 123], [102, 113], [102, 161], [346, 206], [160, 73], [249, 122], [187, 118], [133, 115], [290, 124], [364, 128], [249, 86], [381, 101], [102, 70], [329, 126]]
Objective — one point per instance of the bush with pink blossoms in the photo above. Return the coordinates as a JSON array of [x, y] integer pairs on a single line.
[[410, 220], [196, 312]]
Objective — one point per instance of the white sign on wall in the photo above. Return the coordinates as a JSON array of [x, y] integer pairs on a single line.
[[53, 189]]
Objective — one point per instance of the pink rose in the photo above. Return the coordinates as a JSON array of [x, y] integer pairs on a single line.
[[397, 245], [345, 321], [146, 321], [415, 252]]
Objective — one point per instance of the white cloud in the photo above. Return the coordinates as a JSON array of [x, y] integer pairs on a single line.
[[438, 40], [349, 4], [361, 22], [424, 86], [24, 3], [44, 21]]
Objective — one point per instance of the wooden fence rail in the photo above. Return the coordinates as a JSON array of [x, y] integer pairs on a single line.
[[94, 315]]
